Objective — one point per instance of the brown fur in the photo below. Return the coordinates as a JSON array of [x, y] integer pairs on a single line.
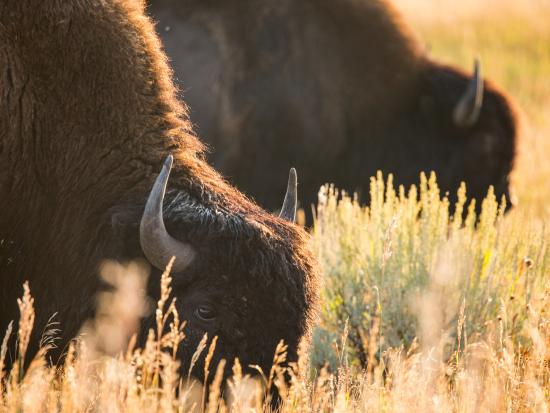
[[337, 88], [88, 115]]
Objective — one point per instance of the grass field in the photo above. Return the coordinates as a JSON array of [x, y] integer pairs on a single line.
[[421, 311]]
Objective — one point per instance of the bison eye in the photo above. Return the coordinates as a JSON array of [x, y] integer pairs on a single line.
[[205, 312]]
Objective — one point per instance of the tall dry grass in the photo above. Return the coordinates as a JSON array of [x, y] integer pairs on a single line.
[[420, 312], [441, 313]]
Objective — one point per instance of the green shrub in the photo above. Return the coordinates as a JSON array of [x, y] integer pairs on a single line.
[[403, 269]]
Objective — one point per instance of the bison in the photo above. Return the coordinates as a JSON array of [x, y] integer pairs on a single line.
[[88, 114], [339, 89]]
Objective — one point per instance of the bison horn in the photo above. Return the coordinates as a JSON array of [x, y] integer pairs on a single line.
[[468, 108], [288, 211], [157, 245]]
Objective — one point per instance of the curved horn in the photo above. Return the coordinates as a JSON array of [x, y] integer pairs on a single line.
[[468, 108], [288, 211], [157, 245]]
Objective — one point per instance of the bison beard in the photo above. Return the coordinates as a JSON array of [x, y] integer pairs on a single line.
[[339, 89], [88, 115]]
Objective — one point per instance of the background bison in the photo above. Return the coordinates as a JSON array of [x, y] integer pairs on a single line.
[[338, 89], [87, 117]]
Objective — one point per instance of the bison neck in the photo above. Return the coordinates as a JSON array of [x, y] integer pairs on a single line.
[[89, 116]]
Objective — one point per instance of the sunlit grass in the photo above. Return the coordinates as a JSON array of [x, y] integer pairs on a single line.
[[386, 261], [420, 312]]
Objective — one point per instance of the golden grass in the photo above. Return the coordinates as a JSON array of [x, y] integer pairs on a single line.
[[421, 311]]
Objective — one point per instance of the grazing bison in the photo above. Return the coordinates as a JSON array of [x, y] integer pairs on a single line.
[[338, 88], [88, 114]]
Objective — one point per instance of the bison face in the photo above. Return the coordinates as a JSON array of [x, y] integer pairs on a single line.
[[475, 129], [484, 120], [246, 278], [237, 310]]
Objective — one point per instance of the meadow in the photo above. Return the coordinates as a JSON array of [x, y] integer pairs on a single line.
[[421, 311]]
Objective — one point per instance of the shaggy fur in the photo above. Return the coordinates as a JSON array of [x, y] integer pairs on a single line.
[[88, 114], [337, 88]]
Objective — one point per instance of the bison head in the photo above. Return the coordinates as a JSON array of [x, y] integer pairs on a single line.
[[474, 127], [246, 278]]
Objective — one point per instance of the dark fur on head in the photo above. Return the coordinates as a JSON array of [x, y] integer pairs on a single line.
[[89, 113], [338, 88]]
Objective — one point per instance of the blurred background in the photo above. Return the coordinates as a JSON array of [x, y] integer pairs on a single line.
[[512, 38]]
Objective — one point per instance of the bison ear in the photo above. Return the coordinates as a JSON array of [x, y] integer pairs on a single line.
[[288, 211], [468, 108]]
